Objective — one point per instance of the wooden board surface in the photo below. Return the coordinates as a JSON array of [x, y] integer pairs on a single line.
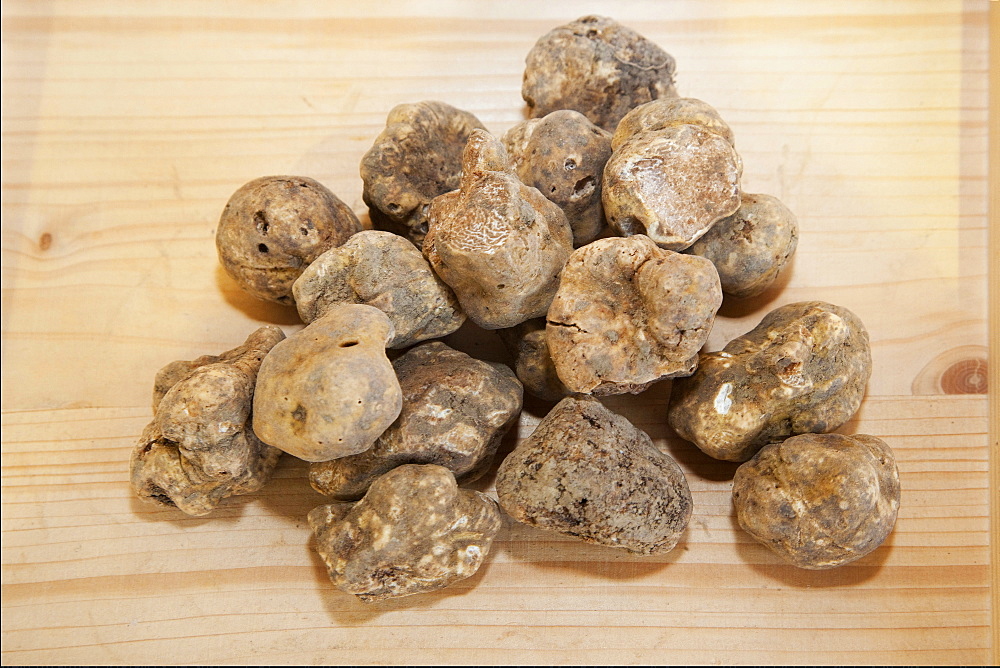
[[126, 126]]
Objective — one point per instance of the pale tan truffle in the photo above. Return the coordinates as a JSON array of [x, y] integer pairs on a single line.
[[386, 271], [670, 112], [414, 531], [819, 500], [528, 345], [456, 410], [273, 227], [598, 67], [498, 243], [329, 390], [200, 447], [563, 155], [671, 184], [589, 473], [628, 314], [802, 369], [417, 157]]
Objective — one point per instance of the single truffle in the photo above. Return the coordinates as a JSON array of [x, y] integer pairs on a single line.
[[803, 369], [628, 314], [200, 447], [819, 500], [273, 227], [417, 157], [533, 364], [498, 243], [386, 271], [563, 156], [670, 112], [751, 247], [414, 531], [671, 184], [456, 410], [598, 67], [589, 473], [328, 390]]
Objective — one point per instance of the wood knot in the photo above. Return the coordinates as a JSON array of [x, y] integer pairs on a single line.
[[961, 370], [45, 241], [965, 377]]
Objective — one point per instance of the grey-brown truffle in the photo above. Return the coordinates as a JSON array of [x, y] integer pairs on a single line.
[[273, 227], [670, 112], [819, 500], [386, 271], [200, 447], [414, 531], [628, 314], [498, 243], [802, 369], [329, 390], [456, 410], [563, 156], [533, 364], [751, 247], [598, 67], [589, 473], [417, 157], [671, 184]]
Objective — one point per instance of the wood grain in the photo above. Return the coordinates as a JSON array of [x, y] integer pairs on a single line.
[[126, 126]]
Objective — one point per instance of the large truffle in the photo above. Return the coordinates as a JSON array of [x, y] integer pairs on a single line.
[[498, 243], [386, 271], [528, 345], [456, 410], [589, 473], [563, 156], [414, 531], [273, 227], [819, 500], [328, 390], [417, 157], [628, 314], [200, 447], [802, 369], [598, 67]]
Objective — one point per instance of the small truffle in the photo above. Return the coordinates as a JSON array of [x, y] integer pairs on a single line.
[[414, 531], [803, 369], [598, 67], [456, 410], [386, 271], [498, 243], [417, 157], [273, 227], [200, 447], [563, 155], [589, 473], [669, 112], [328, 390], [671, 184], [533, 364], [819, 500], [628, 314]]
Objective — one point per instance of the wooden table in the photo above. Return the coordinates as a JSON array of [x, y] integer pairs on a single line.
[[127, 125]]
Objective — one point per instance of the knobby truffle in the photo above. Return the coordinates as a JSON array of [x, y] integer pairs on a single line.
[[528, 345], [200, 447], [414, 531], [670, 112]]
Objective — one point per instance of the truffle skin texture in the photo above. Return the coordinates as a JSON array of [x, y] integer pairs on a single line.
[[533, 364], [598, 67], [417, 157], [273, 227], [819, 500], [589, 473], [563, 156], [498, 243], [670, 112], [414, 531], [200, 447], [328, 390], [383, 270], [671, 184], [803, 369], [628, 314], [456, 410], [750, 247]]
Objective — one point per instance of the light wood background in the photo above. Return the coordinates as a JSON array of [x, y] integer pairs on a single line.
[[127, 125]]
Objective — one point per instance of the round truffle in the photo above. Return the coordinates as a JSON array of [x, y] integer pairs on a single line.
[[669, 112]]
